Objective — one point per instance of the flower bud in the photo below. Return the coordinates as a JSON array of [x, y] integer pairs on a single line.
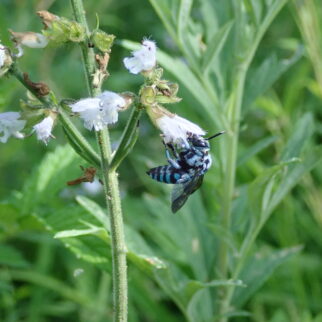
[[76, 32], [147, 95], [63, 30], [129, 99], [102, 40], [47, 18], [29, 39]]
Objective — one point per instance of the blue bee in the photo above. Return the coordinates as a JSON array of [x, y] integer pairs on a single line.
[[186, 170]]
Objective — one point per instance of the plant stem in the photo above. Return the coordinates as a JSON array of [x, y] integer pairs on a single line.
[[111, 188], [128, 137], [229, 182], [79, 139], [233, 116]]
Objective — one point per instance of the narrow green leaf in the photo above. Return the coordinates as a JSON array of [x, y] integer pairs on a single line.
[[302, 131], [258, 269], [295, 173], [215, 45], [183, 17], [129, 138], [260, 79], [49, 177], [10, 256], [82, 232], [162, 8], [95, 210], [255, 149]]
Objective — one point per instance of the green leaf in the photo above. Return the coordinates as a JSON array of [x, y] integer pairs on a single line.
[[100, 232], [255, 149], [259, 80], [81, 229], [49, 178], [163, 9], [258, 269], [11, 257], [302, 131], [294, 174], [215, 45], [183, 17], [95, 210]]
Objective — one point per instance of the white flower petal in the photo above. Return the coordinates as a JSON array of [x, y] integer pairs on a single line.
[[2, 55], [176, 129], [34, 40], [43, 129], [85, 104], [143, 59], [10, 125], [99, 111]]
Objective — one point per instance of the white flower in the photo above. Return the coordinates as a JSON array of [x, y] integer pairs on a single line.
[[143, 59], [5, 60], [3, 55], [11, 125], [43, 129], [176, 129], [99, 111], [30, 39]]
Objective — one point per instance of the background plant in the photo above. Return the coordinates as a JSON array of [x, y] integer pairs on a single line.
[[271, 87]]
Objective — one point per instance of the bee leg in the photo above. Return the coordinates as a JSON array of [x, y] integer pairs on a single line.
[[173, 150], [171, 161], [184, 178]]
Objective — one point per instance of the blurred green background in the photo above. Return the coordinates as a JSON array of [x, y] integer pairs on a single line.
[[47, 279]]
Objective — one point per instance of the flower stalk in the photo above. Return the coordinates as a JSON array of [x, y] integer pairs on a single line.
[[110, 181]]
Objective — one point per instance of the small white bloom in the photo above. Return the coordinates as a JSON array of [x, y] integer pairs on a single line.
[[176, 129], [3, 55], [5, 60], [99, 111], [10, 125], [35, 40], [143, 59], [30, 39], [43, 129]]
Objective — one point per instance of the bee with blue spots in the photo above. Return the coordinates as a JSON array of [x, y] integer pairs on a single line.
[[186, 168]]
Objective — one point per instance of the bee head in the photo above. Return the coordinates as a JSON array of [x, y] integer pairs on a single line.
[[198, 142]]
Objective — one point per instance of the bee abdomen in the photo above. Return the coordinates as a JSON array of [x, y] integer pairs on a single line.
[[165, 174]]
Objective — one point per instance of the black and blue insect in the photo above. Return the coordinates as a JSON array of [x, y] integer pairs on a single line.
[[186, 168]]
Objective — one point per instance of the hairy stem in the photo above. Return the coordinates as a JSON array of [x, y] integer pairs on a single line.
[[111, 188]]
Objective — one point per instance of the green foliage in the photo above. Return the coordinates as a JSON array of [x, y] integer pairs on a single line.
[[237, 63]]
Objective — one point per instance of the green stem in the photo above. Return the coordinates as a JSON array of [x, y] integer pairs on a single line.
[[111, 188], [231, 144], [234, 113], [78, 138], [127, 139]]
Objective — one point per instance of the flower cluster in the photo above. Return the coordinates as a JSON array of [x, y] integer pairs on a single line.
[[174, 128], [102, 110]]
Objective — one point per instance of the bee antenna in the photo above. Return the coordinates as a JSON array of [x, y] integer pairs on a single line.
[[215, 135]]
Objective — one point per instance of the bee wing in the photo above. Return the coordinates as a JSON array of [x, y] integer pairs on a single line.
[[181, 192]]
